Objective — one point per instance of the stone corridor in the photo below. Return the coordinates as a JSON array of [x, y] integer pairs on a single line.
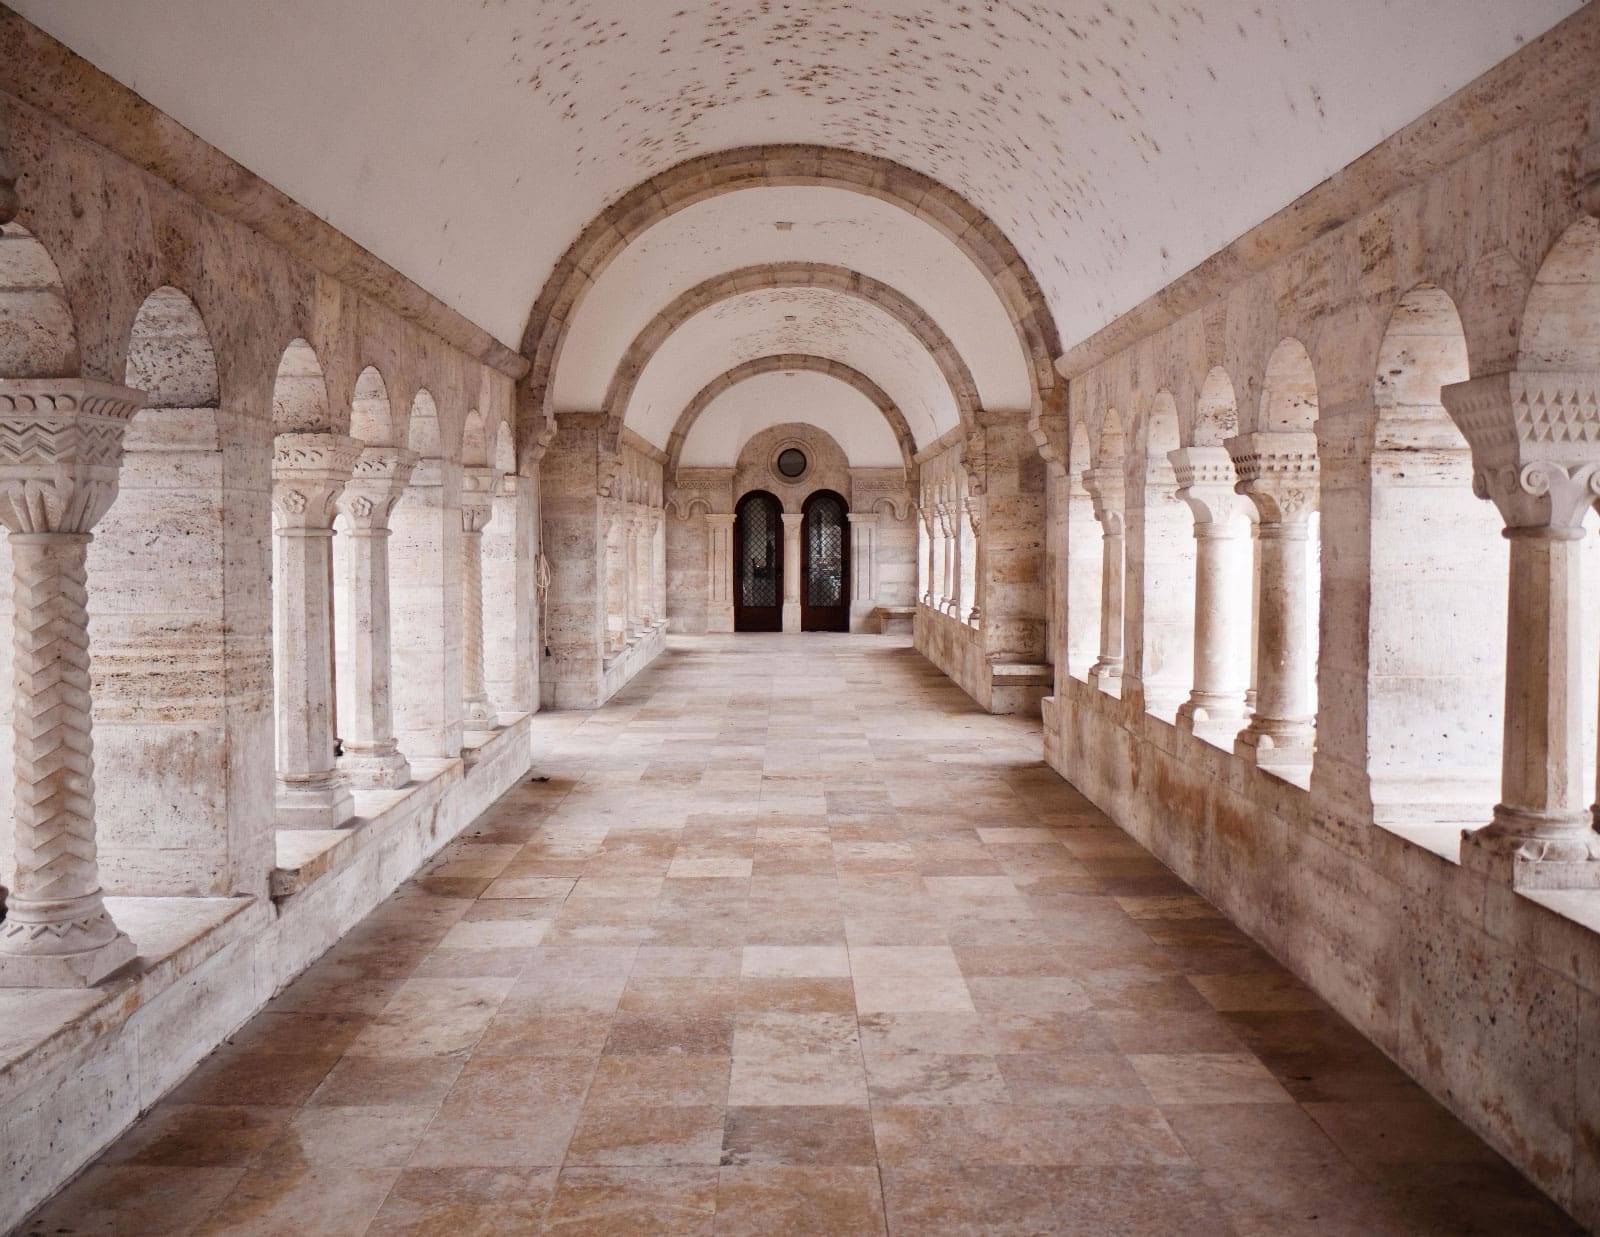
[[791, 938]]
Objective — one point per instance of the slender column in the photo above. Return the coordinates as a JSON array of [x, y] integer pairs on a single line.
[[719, 572], [863, 567], [657, 526], [372, 755], [791, 571], [60, 452], [426, 609], [510, 589], [972, 573], [478, 488], [1084, 568], [1222, 587], [925, 518], [1535, 439], [309, 470], [1278, 472], [948, 602], [1107, 488]]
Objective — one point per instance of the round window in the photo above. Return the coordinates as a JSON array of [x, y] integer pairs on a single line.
[[791, 462]]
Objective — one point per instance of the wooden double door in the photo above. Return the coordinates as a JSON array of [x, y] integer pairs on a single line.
[[758, 563]]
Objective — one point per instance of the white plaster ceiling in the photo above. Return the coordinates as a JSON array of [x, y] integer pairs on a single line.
[[758, 226], [744, 410], [825, 323], [1116, 142]]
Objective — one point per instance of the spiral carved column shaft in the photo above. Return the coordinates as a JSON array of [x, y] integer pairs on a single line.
[[60, 451], [479, 486]]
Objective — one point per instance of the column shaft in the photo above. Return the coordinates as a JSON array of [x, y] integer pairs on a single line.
[[719, 573], [791, 571]]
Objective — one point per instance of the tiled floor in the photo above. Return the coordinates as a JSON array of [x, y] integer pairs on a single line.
[[795, 940]]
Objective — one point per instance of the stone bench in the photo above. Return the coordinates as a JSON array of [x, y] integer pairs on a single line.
[[894, 620]]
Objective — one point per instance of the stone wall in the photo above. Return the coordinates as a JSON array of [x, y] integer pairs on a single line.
[[1324, 368]]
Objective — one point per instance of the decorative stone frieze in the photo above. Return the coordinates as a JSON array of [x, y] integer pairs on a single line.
[[60, 452], [1535, 439], [1222, 588], [1108, 489], [479, 485], [309, 471], [372, 756]]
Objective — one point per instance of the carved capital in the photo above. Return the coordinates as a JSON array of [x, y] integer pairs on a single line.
[[1279, 472], [1535, 439], [376, 483], [308, 473], [479, 485], [60, 451], [1206, 480], [1108, 489]]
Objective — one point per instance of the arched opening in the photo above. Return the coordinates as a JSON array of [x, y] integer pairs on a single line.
[[165, 639], [37, 340], [1108, 488], [1163, 545], [1083, 560], [312, 461], [825, 563], [1436, 645], [758, 563], [371, 416]]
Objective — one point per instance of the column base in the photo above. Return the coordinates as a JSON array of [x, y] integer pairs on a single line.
[[1210, 711], [1276, 744], [1106, 675], [791, 616], [60, 945], [381, 767], [479, 715], [324, 802], [1528, 850]]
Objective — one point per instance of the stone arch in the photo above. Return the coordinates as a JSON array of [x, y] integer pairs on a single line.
[[1216, 417], [781, 362], [1110, 444], [170, 357], [1436, 620], [300, 393], [38, 338], [504, 456], [423, 434], [1289, 389], [1561, 318], [708, 176], [1161, 430], [371, 414], [924, 329], [474, 441]]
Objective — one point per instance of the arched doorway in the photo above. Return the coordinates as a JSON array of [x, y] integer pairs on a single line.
[[758, 563], [825, 564]]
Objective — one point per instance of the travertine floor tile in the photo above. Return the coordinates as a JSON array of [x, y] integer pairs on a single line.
[[797, 941]]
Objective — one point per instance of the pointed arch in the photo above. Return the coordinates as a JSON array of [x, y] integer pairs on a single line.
[[170, 357], [300, 393], [371, 415]]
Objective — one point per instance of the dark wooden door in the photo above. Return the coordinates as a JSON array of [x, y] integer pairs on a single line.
[[758, 563], [825, 564]]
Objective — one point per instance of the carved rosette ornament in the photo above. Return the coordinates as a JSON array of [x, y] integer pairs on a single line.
[[60, 452], [372, 757], [479, 485], [1535, 439]]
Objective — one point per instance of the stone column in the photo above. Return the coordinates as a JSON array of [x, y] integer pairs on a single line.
[[925, 518], [372, 755], [425, 604], [309, 470], [1278, 472], [657, 525], [479, 485], [60, 452], [1535, 439], [1222, 587], [949, 602], [863, 567], [719, 572], [1084, 569], [510, 596], [972, 573], [1107, 488], [791, 571]]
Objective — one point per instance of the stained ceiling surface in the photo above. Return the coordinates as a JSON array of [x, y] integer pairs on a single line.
[[1117, 143]]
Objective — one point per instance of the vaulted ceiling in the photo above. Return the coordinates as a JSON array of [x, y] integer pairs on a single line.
[[1116, 143]]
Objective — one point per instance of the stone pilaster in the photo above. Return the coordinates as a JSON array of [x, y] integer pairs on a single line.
[[510, 596], [950, 601], [60, 452], [309, 470], [791, 571], [1222, 588], [972, 573], [719, 572], [372, 756], [1278, 472], [863, 567], [1535, 439], [426, 607], [1108, 489], [479, 486]]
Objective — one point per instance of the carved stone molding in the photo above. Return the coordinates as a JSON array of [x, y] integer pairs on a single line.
[[1280, 472], [308, 473], [479, 485], [1108, 489], [60, 451], [376, 483], [1206, 481], [1535, 439]]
